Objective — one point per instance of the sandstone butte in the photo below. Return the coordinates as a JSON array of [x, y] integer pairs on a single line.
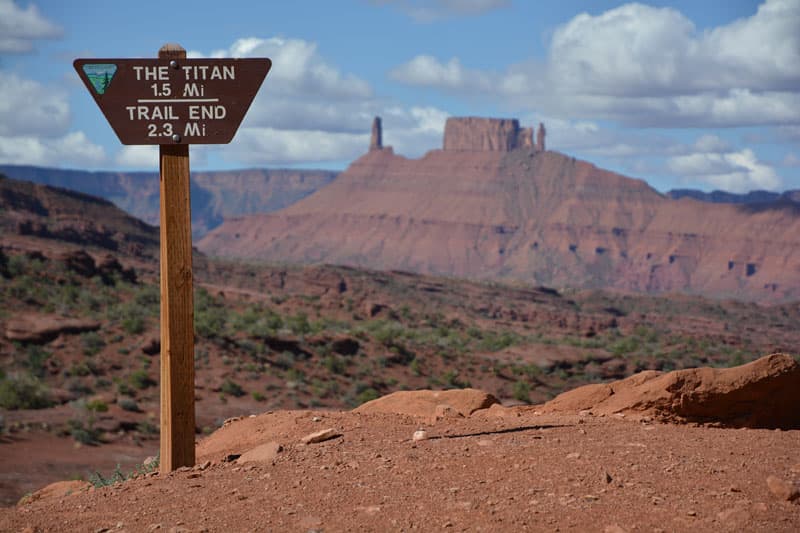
[[493, 205]]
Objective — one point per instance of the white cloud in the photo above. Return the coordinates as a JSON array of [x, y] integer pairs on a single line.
[[711, 143], [74, 148], [648, 66], [432, 10], [29, 108], [413, 132], [298, 69], [303, 91], [309, 111], [738, 171], [410, 132], [427, 71], [143, 157], [267, 145], [20, 27]]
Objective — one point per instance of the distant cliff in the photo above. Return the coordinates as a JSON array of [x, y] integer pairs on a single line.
[[725, 197], [490, 206], [215, 195]]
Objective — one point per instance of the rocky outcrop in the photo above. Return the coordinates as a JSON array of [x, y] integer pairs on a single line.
[[424, 403], [761, 394], [39, 329], [376, 140], [474, 134], [540, 133], [540, 217]]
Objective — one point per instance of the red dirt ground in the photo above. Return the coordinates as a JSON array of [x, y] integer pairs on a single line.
[[500, 469]]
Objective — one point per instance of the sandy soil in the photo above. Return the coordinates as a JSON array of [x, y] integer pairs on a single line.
[[501, 469]]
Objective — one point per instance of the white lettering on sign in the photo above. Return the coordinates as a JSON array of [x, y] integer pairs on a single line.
[[199, 112], [193, 89], [152, 73], [143, 112], [164, 84], [194, 129], [209, 72]]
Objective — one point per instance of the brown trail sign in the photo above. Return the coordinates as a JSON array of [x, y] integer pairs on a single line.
[[173, 102]]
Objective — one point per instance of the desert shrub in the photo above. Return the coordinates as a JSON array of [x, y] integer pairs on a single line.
[[23, 392], [92, 343], [624, 346], [141, 380], [36, 360], [367, 395], [522, 391], [232, 388], [78, 387], [415, 367], [257, 321], [257, 396], [388, 333], [298, 324], [79, 369], [97, 405], [83, 433], [450, 378], [146, 427], [494, 342], [335, 364], [148, 297], [210, 316], [98, 480], [133, 324], [126, 403]]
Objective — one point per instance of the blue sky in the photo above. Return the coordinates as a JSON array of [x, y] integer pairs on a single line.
[[680, 93]]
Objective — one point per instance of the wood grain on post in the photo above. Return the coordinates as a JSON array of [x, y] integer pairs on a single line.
[[177, 313]]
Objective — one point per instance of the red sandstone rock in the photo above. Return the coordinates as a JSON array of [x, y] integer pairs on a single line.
[[428, 403], [481, 134], [761, 394], [537, 216], [44, 328]]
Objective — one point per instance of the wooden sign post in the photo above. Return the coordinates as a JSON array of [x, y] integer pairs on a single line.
[[173, 102], [177, 302]]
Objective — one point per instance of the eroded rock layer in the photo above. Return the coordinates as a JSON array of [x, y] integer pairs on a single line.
[[483, 208]]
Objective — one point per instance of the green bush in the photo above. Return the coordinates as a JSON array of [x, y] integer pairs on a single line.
[[232, 388], [210, 316], [522, 391], [335, 364], [367, 395], [133, 325], [97, 405], [36, 360], [127, 403], [141, 380], [92, 343], [299, 324], [83, 433], [23, 392]]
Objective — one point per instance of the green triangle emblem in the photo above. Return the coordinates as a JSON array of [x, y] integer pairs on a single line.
[[100, 75]]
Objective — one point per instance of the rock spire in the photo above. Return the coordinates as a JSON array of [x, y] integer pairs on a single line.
[[540, 133], [376, 141]]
